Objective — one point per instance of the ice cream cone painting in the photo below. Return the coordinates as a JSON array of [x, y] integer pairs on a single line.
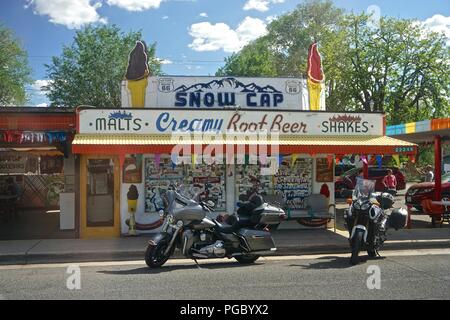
[[315, 78], [137, 74]]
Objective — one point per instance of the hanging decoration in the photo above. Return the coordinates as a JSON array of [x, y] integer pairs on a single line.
[[293, 159], [412, 158], [330, 159], [157, 159], [27, 137], [173, 158], [396, 158], [280, 160], [364, 159], [263, 158], [193, 160], [379, 159]]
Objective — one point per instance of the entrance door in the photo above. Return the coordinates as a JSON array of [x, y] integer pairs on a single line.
[[100, 216]]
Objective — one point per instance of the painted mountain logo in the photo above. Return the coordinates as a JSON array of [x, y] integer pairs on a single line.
[[227, 83], [227, 92]]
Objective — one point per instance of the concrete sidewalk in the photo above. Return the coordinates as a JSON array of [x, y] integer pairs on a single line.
[[288, 242]]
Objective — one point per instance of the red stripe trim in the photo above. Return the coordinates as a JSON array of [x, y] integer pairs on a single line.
[[284, 149]]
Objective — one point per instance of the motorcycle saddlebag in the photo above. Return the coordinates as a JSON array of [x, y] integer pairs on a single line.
[[398, 218], [267, 215], [257, 240]]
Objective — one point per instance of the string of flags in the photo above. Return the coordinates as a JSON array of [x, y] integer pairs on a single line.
[[17, 136]]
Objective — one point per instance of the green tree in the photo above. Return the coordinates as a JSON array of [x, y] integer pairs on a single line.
[[252, 61], [14, 70], [399, 68], [396, 67], [284, 50], [90, 70]]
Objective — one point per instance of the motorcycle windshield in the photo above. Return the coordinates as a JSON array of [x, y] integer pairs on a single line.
[[364, 188]]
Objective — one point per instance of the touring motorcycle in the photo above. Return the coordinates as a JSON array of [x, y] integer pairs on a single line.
[[188, 227], [367, 220]]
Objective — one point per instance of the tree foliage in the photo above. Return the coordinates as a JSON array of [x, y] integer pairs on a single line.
[[14, 70], [397, 67], [90, 70]]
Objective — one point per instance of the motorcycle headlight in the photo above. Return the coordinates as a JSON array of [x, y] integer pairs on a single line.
[[365, 206], [179, 223]]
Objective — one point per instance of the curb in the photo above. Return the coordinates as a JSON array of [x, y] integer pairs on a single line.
[[43, 258]]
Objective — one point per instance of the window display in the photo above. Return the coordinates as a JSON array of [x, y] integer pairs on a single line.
[[293, 181], [205, 181]]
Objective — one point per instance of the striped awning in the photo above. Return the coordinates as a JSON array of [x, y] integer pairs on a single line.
[[137, 144]]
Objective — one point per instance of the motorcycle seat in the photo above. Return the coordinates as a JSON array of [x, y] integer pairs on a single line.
[[224, 227], [238, 223]]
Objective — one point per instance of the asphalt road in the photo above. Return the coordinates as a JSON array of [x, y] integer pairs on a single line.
[[403, 274]]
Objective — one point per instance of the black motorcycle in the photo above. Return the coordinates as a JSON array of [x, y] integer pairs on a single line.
[[367, 220], [187, 227]]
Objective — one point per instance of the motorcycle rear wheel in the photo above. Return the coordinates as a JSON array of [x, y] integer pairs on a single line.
[[247, 258], [154, 255], [356, 246]]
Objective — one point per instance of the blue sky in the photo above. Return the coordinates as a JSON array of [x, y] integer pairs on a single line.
[[193, 36]]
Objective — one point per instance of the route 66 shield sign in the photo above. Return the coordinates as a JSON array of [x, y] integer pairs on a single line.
[[292, 87], [165, 85]]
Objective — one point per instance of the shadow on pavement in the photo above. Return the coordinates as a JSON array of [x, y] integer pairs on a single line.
[[332, 262], [163, 269]]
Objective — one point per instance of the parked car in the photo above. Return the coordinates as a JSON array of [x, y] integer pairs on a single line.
[[425, 190], [347, 181]]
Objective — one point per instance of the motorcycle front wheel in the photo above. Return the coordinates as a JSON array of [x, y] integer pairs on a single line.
[[247, 258], [154, 255], [356, 246]]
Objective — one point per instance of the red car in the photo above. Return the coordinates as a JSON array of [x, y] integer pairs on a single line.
[[425, 190], [346, 182]]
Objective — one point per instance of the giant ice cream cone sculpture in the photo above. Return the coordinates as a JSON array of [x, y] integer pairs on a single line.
[[315, 78], [132, 197], [137, 74]]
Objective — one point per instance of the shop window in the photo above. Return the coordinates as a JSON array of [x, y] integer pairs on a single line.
[[205, 181], [292, 183]]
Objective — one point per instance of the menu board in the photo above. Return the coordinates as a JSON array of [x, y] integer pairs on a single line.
[[205, 181], [293, 182], [324, 170]]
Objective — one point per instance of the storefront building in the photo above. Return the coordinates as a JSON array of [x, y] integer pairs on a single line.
[[182, 131], [37, 173]]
